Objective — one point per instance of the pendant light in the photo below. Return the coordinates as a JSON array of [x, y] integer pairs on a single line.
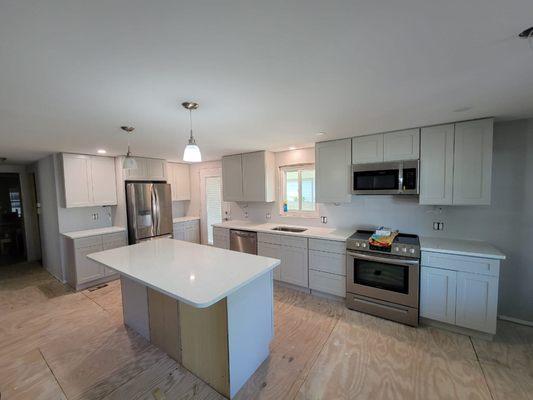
[[129, 161], [192, 151]]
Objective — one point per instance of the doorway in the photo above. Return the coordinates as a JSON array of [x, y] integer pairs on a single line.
[[12, 234], [212, 206]]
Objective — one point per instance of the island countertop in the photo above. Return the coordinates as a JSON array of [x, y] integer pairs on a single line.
[[195, 274]]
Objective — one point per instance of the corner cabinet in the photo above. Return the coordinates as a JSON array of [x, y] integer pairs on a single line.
[[249, 177], [188, 231], [88, 180], [460, 290], [333, 160], [456, 163], [179, 178]]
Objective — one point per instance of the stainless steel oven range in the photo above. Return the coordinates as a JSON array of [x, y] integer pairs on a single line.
[[384, 281]]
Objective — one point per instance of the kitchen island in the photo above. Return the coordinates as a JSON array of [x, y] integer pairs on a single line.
[[210, 309]]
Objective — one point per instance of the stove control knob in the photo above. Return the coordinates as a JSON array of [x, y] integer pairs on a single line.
[[396, 248], [357, 244], [404, 249], [364, 245], [412, 251]]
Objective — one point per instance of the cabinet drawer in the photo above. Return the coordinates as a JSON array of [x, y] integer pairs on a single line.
[[475, 265], [113, 244], [291, 241], [268, 238], [90, 241], [327, 245], [217, 231], [327, 283], [327, 262], [114, 237]]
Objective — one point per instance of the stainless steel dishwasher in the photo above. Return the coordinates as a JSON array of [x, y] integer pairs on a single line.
[[243, 241]]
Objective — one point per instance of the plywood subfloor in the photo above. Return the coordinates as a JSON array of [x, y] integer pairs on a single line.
[[57, 344]]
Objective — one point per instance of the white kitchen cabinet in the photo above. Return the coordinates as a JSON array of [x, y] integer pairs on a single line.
[[436, 165], [232, 183], [401, 145], [333, 162], [88, 180], [437, 294], [258, 176], [294, 267], [188, 231], [327, 283], [273, 251], [460, 290], [477, 301], [473, 162], [221, 237], [367, 149], [179, 178], [148, 169], [327, 266], [249, 177], [83, 272]]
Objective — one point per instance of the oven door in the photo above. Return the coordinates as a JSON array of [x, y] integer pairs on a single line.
[[383, 277], [380, 178]]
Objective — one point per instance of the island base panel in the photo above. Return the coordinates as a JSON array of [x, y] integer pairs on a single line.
[[135, 306], [164, 323]]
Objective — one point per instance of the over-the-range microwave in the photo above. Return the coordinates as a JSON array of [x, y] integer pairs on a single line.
[[394, 177]]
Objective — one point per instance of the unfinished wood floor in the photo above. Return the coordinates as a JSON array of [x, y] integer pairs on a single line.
[[57, 344]]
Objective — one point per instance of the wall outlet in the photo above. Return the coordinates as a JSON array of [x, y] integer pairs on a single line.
[[324, 219], [438, 226], [268, 216], [246, 214], [95, 216]]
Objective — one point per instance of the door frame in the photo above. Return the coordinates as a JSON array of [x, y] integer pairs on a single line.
[[209, 173]]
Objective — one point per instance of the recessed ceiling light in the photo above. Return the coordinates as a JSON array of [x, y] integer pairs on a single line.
[[321, 133], [292, 148], [101, 151], [462, 109]]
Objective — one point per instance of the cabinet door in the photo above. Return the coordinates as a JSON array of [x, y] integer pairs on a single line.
[[77, 180], [180, 182], [253, 176], [477, 301], [221, 237], [232, 178], [436, 165], [156, 170], [272, 251], [138, 173], [401, 145], [437, 294], [333, 171], [472, 162], [179, 231], [367, 149], [104, 182], [294, 267], [192, 233], [88, 270]]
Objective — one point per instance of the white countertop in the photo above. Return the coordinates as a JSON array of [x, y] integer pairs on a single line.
[[93, 232], [460, 247], [338, 235], [195, 274], [184, 219]]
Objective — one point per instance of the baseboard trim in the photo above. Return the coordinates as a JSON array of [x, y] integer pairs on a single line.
[[456, 329], [516, 320]]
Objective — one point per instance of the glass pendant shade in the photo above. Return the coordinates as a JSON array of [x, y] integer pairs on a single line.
[[192, 152], [129, 163]]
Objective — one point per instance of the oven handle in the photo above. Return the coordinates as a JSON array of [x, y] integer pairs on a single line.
[[406, 263]]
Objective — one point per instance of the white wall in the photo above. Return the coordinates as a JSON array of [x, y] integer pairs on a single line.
[[507, 223]]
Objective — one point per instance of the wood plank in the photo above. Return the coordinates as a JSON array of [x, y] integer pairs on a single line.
[[164, 323], [508, 383], [204, 342]]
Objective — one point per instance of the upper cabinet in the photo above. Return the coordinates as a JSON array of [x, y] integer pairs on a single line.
[[88, 180], [367, 149], [472, 162], [249, 177], [332, 168], [148, 169], [401, 145], [179, 179], [392, 146], [456, 163], [436, 165]]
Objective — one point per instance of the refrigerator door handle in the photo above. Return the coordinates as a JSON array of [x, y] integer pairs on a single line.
[[152, 209], [156, 212]]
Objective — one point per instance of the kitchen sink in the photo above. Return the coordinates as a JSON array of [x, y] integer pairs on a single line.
[[289, 229]]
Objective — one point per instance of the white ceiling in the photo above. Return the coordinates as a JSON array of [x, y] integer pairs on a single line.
[[267, 74]]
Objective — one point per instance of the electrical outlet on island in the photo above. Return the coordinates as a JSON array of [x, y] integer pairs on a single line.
[[438, 226]]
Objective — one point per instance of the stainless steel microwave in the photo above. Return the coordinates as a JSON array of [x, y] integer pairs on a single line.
[[395, 177]]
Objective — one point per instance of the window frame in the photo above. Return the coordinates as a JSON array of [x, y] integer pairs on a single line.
[[282, 191]]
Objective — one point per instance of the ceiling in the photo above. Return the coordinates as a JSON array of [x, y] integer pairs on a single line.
[[267, 74]]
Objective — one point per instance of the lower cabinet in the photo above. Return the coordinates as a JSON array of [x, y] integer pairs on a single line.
[[221, 237], [83, 272], [272, 251], [460, 290], [294, 267], [327, 266], [188, 231]]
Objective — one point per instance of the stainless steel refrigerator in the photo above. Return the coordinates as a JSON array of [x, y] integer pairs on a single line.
[[149, 207]]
